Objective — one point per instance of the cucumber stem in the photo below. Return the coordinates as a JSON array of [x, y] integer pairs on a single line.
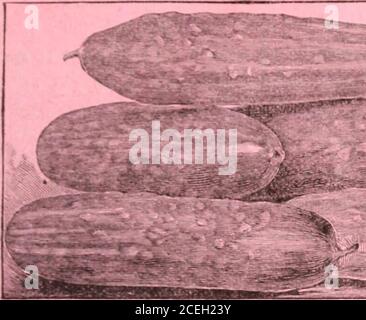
[[72, 54], [346, 252]]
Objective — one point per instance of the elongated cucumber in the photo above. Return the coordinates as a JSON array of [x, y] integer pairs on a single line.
[[149, 240], [89, 150], [233, 58]]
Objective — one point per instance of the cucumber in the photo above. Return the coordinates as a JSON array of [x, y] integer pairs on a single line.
[[325, 146], [89, 150], [346, 210], [234, 58], [116, 239]]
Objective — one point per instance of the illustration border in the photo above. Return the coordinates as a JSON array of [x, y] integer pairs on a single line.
[[3, 154], [5, 3], [186, 1]]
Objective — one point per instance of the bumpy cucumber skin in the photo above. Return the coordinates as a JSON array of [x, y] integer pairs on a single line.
[[148, 240], [88, 150], [324, 144], [235, 58]]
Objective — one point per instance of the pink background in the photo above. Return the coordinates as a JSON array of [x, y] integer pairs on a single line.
[[40, 86]]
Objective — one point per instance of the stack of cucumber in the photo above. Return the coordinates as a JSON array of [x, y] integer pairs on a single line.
[[294, 92]]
